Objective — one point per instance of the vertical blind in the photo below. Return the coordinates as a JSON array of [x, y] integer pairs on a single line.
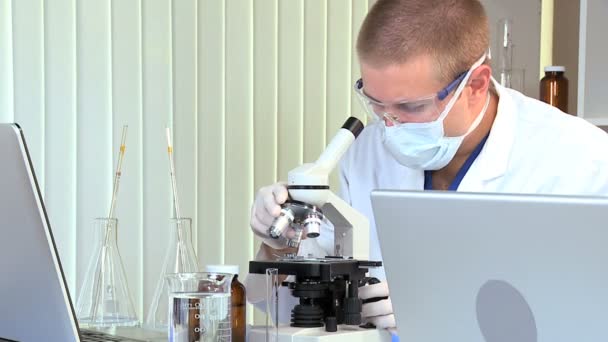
[[251, 89]]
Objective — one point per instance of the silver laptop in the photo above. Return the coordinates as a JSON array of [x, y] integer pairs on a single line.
[[493, 268], [34, 301]]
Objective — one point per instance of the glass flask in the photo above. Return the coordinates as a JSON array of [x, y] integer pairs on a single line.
[[199, 307], [179, 258], [104, 299]]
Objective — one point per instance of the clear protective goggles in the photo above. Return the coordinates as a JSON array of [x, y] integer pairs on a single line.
[[426, 108]]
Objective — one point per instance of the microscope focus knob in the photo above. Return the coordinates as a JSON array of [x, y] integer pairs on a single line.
[[331, 324], [352, 311]]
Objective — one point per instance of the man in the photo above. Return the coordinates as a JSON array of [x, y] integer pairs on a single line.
[[444, 124]]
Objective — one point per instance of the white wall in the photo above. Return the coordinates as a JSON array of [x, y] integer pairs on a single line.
[[251, 88], [593, 54]]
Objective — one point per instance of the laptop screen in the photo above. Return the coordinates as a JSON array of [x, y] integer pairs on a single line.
[[34, 302]]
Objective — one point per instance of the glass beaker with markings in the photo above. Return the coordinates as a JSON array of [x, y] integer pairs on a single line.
[[199, 307], [179, 258]]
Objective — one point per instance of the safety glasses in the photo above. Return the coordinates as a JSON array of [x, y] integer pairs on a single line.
[[425, 108]]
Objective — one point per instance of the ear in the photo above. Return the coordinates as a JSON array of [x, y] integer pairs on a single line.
[[479, 84]]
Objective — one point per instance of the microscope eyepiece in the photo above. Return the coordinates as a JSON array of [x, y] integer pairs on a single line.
[[354, 125]]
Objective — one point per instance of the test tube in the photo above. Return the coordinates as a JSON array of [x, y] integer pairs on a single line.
[[272, 305]]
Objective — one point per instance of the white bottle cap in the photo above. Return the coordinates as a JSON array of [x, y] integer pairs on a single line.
[[231, 269], [555, 68]]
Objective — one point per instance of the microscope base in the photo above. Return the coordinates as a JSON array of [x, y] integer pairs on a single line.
[[345, 333]]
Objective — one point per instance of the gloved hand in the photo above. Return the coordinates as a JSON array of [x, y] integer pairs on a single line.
[[377, 312], [265, 208]]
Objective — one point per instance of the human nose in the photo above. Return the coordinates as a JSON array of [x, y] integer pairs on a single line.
[[389, 119], [387, 122]]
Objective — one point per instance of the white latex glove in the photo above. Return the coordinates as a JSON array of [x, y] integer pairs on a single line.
[[379, 313], [265, 208]]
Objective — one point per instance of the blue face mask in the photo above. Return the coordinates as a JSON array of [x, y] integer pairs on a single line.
[[424, 146]]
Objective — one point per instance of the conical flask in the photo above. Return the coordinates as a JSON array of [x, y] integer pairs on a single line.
[[105, 300], [180, 258]]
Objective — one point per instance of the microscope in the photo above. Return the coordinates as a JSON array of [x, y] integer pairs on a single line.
[[329, 306], [311, 201]]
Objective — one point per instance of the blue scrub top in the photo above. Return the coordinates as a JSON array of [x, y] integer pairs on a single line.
[[428, 175]]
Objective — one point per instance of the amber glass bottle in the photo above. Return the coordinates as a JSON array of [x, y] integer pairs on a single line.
[[238, 310], [554, 87], [238, 314]]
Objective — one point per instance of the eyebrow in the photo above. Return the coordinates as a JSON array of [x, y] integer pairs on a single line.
[[371, 97]]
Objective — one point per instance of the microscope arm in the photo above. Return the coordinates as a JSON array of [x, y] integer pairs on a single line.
[[351, 228], [308, 187]]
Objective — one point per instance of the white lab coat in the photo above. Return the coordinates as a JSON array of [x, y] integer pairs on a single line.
[[532, 148]]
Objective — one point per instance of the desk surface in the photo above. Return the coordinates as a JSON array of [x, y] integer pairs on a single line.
[[135, 333]]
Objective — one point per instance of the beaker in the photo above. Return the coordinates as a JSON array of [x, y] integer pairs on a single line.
[[104, 299], [179, 258], [199, 307]]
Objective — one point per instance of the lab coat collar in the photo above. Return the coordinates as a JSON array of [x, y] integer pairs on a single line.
[[493, 160]]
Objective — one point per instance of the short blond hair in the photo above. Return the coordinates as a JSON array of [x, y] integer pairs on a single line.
[[455, 33]]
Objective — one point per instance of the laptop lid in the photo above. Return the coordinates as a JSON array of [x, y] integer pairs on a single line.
[[34, 301], [490, 267]]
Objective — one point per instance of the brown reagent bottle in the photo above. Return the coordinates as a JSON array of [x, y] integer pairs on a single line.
[[554, 87]]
